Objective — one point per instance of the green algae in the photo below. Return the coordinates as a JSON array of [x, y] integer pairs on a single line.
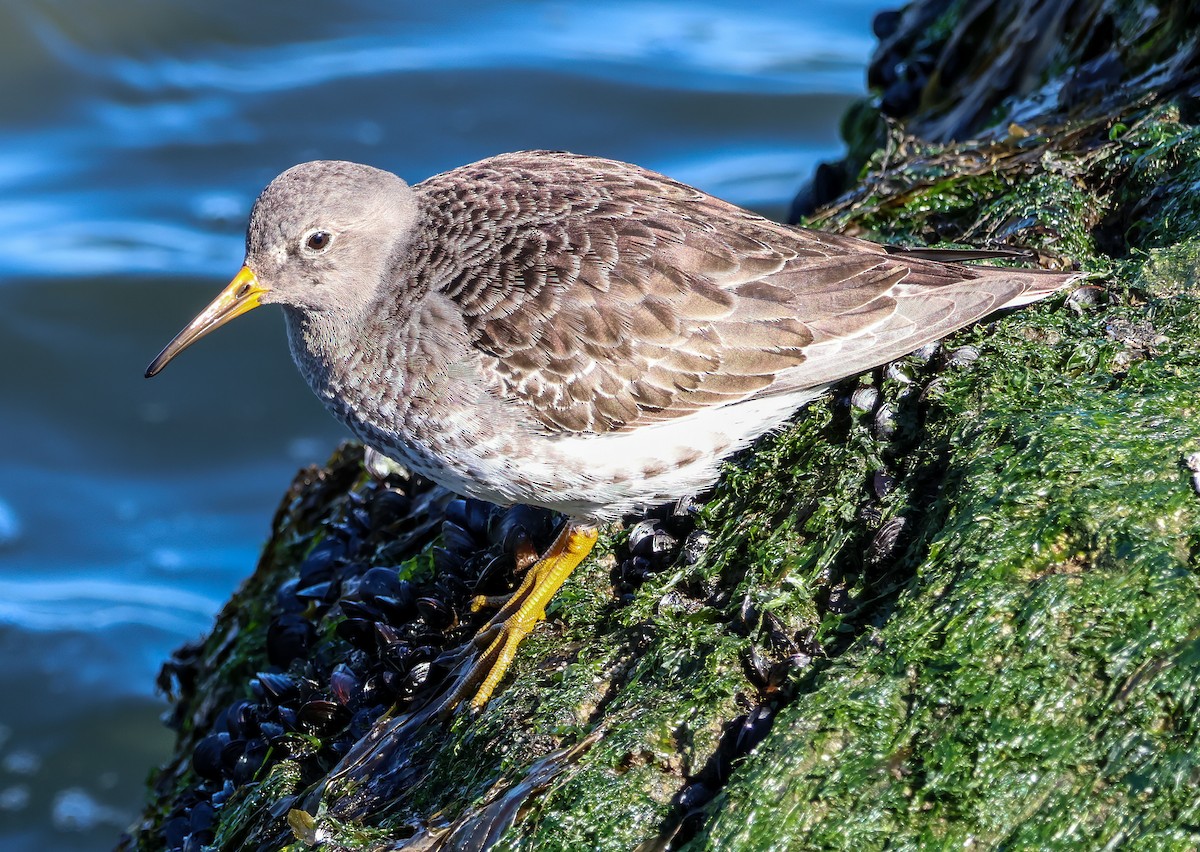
[[1035, 684]]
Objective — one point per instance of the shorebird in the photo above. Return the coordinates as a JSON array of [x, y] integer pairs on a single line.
[[575, 333]]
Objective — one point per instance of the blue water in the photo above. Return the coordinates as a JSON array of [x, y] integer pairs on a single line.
[[134, 135]]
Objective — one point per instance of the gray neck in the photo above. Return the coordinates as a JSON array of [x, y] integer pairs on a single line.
[[327, 346]]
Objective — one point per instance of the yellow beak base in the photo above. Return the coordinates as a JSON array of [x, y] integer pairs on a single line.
[[241, 295]]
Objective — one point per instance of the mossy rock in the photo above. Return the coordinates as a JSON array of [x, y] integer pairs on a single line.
[[959, 608]]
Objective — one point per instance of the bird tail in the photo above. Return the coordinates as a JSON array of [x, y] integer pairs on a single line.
[[1037, 284], [951, 255]]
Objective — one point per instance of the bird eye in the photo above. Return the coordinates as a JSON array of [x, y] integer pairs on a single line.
[[318, 240]]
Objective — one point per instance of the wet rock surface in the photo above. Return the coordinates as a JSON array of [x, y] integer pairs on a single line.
[[954, 604]]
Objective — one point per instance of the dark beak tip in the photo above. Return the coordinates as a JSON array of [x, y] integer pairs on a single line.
[[238, 297], [156, 365]]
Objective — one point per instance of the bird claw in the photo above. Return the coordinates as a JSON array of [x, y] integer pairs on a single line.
[[517, 618]]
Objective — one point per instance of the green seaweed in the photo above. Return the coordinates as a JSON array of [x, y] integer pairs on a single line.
[[1036, 684]]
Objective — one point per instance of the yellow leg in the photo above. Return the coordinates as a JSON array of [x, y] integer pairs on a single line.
[[527, 606]]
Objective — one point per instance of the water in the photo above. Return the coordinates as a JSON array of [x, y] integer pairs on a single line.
[[134, 134]]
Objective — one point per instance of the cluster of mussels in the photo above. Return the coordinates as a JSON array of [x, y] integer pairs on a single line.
[[372, 620], [899, 75], [912, 385], [357, 630], [656, 539]]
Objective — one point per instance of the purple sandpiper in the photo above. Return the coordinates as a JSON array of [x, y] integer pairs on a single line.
[[573, 332]]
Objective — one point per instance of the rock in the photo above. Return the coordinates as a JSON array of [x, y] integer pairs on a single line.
[[998, 648]]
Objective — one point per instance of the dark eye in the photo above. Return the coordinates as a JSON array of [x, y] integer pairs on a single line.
[[319, 240]]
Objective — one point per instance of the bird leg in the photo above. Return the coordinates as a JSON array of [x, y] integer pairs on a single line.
[[519, 615]]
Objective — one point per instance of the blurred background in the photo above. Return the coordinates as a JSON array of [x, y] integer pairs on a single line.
[[134, 136]]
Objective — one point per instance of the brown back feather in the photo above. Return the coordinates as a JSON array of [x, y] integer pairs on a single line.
[[606, 297]]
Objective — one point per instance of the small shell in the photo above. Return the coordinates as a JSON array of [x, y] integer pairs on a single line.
[[899, 371], [437, 614], [343, 683], [274, 688], [886, 541], [648, 538], [882, 484], [686, 507], [962, 356], [320, 714], [415, 678], [388, 637], [933, 390], [479, 516], [695, 545], [359, 520], [202, 817], [320, 561], [884, 426], [693, 796], [639, 531], [458, 540], [927, 352], [288, 637], [272, 730], [755, 727], [538, 525], [206, 757], [388, 507], [315, 592], [380, 582], [1087, 298], [444, 561], [240, 718], [864, 398], [247, 764]]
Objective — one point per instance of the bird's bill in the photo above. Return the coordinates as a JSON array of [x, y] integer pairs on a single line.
[[241, 295]]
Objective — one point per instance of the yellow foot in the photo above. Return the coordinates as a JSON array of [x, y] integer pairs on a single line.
[[527, 606]]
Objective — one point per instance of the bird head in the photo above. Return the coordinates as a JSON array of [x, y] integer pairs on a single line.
[[321, 238]]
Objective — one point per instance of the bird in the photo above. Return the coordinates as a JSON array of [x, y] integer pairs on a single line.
[[574, 332]]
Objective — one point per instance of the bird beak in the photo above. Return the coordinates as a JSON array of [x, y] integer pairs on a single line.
[[240, 296]]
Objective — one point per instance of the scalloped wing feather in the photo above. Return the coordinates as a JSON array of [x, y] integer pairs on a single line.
[[606, 297]]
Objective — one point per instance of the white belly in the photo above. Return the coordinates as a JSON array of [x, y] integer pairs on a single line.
[[596, 477]]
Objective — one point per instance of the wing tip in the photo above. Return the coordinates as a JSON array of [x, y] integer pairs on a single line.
[[1038, 284]]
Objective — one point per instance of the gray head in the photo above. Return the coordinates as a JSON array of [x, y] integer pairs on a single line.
[[322, 233], [321, 237]]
